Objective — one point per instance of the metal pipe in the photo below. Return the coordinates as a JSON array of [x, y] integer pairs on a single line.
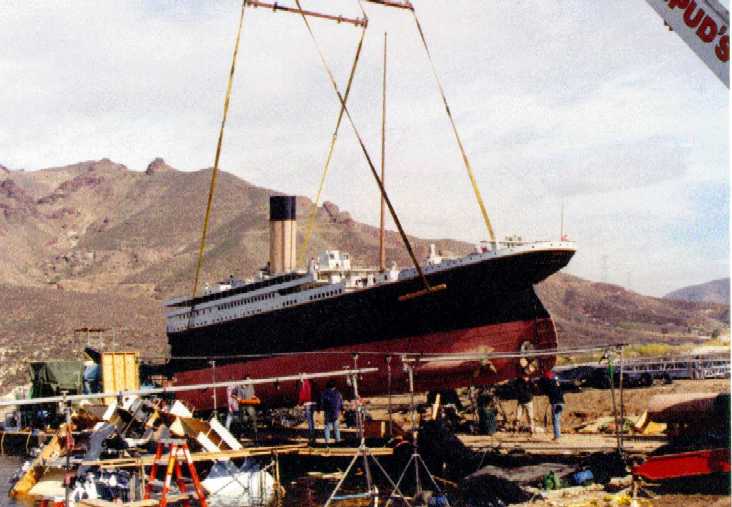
[[213, 380], [427, 358], [69, 448], [423, 356], [387, 3], [191, 387], [611, 375], [622, 403], [388, 388], [340, 19]]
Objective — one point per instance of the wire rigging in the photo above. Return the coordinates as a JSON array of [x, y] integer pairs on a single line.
[[219, 143], [394, 216], [466, 161], [331, 148]]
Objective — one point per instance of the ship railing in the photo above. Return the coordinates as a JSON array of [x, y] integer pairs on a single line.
[[515, 243]]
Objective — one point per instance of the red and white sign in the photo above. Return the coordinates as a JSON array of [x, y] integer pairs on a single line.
[[704, 26]]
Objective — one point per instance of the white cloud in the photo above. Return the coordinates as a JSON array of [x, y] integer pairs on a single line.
[[593, 101]]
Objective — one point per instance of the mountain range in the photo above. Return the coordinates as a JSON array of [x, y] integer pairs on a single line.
[[716, 291], [95, 244]]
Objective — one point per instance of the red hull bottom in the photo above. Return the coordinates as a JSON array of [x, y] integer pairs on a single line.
[[495, 338]]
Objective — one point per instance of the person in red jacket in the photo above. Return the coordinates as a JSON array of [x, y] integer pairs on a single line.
[[307, 397]]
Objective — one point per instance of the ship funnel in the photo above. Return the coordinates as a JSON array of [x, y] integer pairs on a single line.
[[282, 234]]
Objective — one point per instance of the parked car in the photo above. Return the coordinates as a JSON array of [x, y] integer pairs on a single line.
[[574, 379]]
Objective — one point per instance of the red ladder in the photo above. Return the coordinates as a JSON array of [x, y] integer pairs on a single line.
[[177, 447]]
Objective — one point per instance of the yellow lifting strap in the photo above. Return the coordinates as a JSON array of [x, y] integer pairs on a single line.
[[394, 216], [220, 142], [468, 167], [326, 167]]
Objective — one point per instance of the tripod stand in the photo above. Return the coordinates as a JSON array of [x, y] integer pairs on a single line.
[[415, 458], [364, 453]]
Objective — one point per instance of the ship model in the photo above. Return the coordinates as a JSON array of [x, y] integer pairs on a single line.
[[333, 315], [440, 319]]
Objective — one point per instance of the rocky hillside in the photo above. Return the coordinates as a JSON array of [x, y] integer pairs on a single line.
[[594, 312], [96, 244], [716, 291], [97, 226]]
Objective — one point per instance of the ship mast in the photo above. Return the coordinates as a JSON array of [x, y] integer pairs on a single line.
[[382, 248], [561, 227]]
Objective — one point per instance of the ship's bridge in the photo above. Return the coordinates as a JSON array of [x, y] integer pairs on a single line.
[[334, 260], [334, 266]]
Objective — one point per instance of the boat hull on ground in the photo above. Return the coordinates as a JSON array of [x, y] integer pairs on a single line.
[[487, 306], [433, 374]]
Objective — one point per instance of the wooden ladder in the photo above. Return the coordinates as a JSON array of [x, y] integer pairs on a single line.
[[178, 449]]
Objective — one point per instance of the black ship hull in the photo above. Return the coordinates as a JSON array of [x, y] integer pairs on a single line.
[[490, 292], [487, 306]]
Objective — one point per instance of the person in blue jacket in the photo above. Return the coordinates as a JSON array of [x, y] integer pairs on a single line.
[[553, 389], [331, 402]]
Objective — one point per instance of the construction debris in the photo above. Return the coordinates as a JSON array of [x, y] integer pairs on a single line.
[[230, 486], [111, 459], [699, 427]]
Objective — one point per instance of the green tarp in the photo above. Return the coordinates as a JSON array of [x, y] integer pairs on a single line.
[[50, 378]]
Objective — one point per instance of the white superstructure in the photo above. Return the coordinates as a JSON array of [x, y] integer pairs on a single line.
[[331, 276]]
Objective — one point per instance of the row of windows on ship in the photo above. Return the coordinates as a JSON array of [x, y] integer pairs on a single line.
[[240, 302]]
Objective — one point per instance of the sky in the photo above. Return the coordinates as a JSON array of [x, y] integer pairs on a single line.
[[588, 103]]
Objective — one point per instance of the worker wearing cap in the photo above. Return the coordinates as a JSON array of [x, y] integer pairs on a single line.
[[551, 387]]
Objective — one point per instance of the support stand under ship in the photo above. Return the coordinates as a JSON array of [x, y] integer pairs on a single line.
[[334, 315]]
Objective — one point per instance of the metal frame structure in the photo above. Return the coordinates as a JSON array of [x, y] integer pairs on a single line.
[[191, 387], [372, 492], [339, 19], [415, 458]]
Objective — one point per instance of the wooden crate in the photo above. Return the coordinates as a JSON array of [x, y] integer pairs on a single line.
[[120, 372]]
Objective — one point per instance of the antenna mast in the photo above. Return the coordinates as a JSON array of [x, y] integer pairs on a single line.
[[561, 227]]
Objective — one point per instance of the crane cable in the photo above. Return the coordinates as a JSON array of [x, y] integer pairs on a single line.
[[466, 161], [215, 170], [326, 167], [407, 245]]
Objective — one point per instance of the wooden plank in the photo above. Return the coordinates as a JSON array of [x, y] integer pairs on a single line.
[[341, 452], [568, 444], [148, 459], [226, 436], [37, 468], [150, 502], [50, 485], [120, 372]]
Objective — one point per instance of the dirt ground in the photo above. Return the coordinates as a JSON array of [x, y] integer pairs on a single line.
[[593, 403], [584, 407], [601, 499]]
